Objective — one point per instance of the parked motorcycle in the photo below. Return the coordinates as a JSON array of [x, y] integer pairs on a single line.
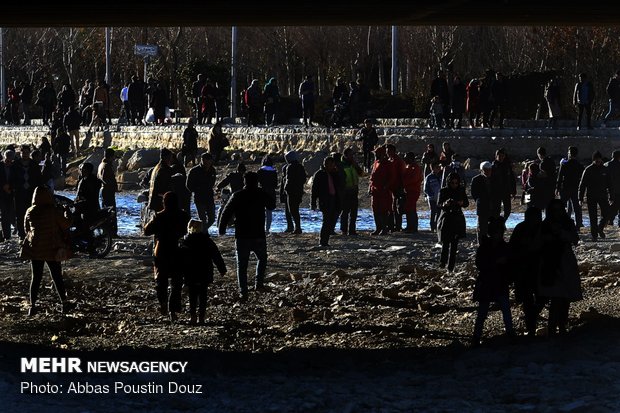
[[96, 240]]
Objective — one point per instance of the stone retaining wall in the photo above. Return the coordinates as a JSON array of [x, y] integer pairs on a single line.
[[521, 143]]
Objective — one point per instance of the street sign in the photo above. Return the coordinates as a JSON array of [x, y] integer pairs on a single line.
[[146, 50]]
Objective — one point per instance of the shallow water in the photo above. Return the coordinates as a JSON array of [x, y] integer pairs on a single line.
[[128, 213]]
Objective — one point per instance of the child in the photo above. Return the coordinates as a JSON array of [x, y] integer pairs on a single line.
[[436, 113], [492, 283], [199, 252]]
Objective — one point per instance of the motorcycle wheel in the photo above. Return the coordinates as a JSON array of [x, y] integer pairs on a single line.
[[102, 240]]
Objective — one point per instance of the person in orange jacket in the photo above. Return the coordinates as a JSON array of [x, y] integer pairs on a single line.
[[395, 221], [379, 191], [412, 188]]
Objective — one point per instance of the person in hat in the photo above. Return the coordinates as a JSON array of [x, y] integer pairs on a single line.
[[481, 193]]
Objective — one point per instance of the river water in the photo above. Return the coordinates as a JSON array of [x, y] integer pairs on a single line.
[[128, 213]]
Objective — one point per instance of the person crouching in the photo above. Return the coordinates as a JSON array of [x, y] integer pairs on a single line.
[[199, 253]]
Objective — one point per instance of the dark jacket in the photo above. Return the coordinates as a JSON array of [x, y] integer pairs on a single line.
[[293, 179], [549, 167], [569, 176], [525, 257], [439, 87], [201, 183], [320, 190], [451, 221], [190, 140], [594, 183], [481, 192], [198, 254], [234, 179], [268, 180], [24, 178], [613, 169], [168, 226], [613, 89], [135, 92], [183, 194], [458, 98], [62, 144], [88, 195], [492, 261], [503, 179], [369, 138], [248, 206], [72, 120], [584, 93]]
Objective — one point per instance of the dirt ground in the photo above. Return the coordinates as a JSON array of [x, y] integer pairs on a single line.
[[369, 325]]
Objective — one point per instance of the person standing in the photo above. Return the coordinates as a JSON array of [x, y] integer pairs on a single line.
[[325, 190], [451, 222], [473, 102], [499, 91], [432, 187], [439, 89], [233, 179], [13, 101], [168, 226], [395, 221], [72, 121], [101, 101], [46, 98], [583, 98], [209, 93], [268, 182], [7, 200], [197, 97], [254, 101], [306, 94], [550, 171], [379, 191], [217, 141], [350, 200], [559, 280], [503, 183], [595, 186], [66, 98], [135, 94], [481, 192], [613, 168], [567, 186], [459, 95], [189, 149], [107, 175], [492, 261], [248, 206], [455, 166], [526, 250], [126, 106], [25, 177], [292, 190], [200, 181], [61, 148], [161, 181], [44, 243], [445, 157], [428, 158], [412, 184], [368, 136], [552, 95], [613, 91], [25, 95], [271, 96]]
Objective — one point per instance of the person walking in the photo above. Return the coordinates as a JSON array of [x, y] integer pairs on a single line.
[[25, 176], [198, 254], [168, 226], [271, 96], [161, 181], [492, 262], [583, 97], [451, 221], [559, 280], [107, 175], [46, 229], [481, 193], [201, 181], [7, 200], [350, 198], [325, 191], [613, 168], [72, 121], [567, 185], [595, 186], [254, 102], [292, 190], [268, 182], [613, 92], [248, 206], [432, 187], [25, 95]]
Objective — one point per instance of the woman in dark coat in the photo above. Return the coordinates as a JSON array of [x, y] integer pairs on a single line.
[[492, 261], [168, 226], [559, 277], [44, 243], [451, 222], [268, 180]]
